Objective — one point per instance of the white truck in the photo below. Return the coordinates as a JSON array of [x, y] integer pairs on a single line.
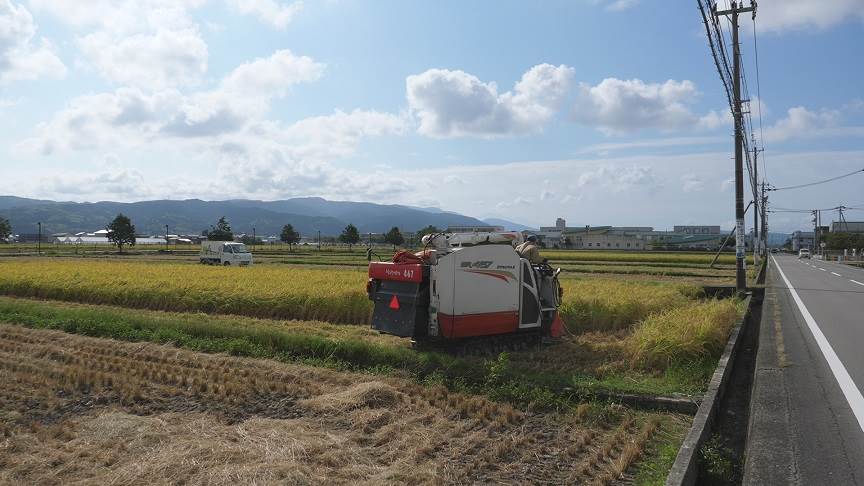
[[225, 253]]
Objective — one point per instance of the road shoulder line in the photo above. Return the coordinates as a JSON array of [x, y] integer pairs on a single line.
[[847, 386]]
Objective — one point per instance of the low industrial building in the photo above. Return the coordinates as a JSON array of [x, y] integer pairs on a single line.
[[847, 226], [628, 237]]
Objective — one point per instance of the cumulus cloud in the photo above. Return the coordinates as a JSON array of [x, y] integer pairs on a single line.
[[617, 105], [268, 11], [153, 60], [455, 103], [801, 122], [119, 16], [152, 44], [807, 14], [20, 57]]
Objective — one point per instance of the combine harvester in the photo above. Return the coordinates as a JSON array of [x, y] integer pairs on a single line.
[[469, 290]]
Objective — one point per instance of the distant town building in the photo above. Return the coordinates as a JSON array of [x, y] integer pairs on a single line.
[[697, 230], [847, 226], [628, 237], [474, 229], [802, 239]]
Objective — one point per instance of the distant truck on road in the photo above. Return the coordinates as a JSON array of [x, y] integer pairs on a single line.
[[225, 253]]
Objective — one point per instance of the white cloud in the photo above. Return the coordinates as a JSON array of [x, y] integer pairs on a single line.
[[268, 11], [152, 44], [619, 5], [617, 106], [271, 76], [692, 183], [120, 16], [162, 59], [801, 122], [783, 15], [20, 57], [455, 103]]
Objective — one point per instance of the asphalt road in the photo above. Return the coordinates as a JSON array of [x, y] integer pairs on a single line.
[[807, 411]]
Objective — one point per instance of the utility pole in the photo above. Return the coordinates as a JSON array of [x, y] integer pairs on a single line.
[[764, 206], [39, 240], [254, 238], [740, 274], [166, 237], [319, 240]]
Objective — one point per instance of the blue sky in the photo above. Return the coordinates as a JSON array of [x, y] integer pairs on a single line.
[[602, 112]]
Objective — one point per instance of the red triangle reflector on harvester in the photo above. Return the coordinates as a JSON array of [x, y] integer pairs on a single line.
[[394, 303]]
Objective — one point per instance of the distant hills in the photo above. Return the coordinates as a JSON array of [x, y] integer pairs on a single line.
[[308, 215], [508, 225]]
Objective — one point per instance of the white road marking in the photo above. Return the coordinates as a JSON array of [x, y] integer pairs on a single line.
[[855, 281], [850, 391], [820, 268], [835, 273]]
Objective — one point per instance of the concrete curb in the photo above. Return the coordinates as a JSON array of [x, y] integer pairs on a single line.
[[684, 471]]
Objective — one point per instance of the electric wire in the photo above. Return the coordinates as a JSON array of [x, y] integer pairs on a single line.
[[832, 179]]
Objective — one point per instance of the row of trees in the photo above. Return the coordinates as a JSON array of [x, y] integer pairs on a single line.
[[121, 232]]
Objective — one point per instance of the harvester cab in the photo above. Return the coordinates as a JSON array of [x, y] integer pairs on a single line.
[[465, 285]]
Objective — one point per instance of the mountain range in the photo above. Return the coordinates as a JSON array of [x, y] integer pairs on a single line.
[[306, 214]]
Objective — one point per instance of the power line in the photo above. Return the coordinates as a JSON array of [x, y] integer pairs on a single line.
[[759, 101], [817, 182]]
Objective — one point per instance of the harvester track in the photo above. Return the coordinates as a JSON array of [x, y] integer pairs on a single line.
[[483, 345]]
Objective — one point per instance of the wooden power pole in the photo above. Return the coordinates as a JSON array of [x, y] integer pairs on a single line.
[[740, 274]]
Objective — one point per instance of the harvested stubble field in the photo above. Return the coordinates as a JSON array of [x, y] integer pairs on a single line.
[[86, 410]]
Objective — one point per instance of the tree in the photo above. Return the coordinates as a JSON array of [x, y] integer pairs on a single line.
[[350, 235], [121, 232], [289, 236], [843, 241], [250, 240], [5, 228], [221, 232], [394, 237]]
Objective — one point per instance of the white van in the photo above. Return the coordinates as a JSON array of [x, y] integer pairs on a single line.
[[225, 253], [804, 253]]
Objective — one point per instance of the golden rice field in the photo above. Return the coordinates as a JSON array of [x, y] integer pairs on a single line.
[[639, 256], [259, 291], [291, 292]]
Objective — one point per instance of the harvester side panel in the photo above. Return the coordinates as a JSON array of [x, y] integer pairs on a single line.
[[483, 298]]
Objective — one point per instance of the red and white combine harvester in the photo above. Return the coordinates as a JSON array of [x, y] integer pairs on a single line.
[[463, 287]]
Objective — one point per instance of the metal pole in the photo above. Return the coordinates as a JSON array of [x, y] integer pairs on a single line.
[[166, 237], [39, 240], [254, 239], [319, 240]]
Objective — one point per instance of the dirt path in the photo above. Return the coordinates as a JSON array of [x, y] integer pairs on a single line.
[[94, 411]]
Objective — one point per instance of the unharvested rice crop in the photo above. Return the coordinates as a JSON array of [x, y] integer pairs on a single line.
[[611, 304], [638, 256], [260, 291], [689, 332], [288, 292]]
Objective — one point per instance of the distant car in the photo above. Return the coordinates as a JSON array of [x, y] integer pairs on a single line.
[[804, 253], [774, 250]]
